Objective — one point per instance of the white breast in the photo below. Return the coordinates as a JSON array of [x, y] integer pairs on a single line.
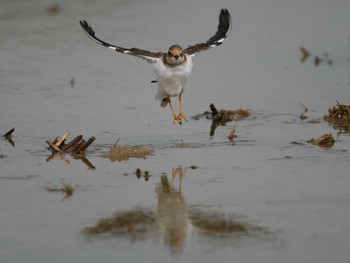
[[171, 81]]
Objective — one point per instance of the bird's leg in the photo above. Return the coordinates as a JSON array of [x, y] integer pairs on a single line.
[[175, 117], [181, 114]]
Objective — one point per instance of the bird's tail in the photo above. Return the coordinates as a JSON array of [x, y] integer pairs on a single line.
[[164, 103]]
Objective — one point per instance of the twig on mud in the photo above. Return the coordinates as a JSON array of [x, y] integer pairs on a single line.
[[8, 136], [9, 133], [76, 148], [302, 115], [115, 145]]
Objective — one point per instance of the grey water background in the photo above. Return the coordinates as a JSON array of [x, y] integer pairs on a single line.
[[293, 198]]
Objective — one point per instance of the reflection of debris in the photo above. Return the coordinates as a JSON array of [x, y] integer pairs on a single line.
[[137, 223], [65, 188], [121, 153], [76, 148], [325, 141], [232, 135], [339, 116], [317, 59], [221, 117], [85, 161], [139, 174], [8, 136], [53, 9], [217, 223]]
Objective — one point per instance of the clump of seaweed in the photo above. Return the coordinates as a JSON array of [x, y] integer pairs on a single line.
[[339, 117], [325, 141]]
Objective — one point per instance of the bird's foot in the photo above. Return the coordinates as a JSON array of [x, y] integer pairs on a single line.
[[177, 118], [181, 116]]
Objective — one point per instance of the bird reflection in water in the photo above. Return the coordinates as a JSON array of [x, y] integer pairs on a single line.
[[172, 216], [176, 222]]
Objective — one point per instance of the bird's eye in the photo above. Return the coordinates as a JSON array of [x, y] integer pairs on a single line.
[[170, 54]]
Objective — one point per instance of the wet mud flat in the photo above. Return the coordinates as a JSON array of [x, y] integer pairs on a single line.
[[182, 196], [260, 175]]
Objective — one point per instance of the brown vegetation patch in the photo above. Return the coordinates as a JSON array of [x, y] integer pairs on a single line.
[[221, 117], [325, 141], [124, 153], [339, 117]]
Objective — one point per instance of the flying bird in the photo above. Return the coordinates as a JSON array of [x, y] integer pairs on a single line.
[[173, 67]]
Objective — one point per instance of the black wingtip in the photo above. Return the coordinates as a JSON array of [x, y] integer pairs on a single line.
[[87, 28], [225, 21], [223, 30]]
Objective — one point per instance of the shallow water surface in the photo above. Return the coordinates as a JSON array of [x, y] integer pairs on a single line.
[[267, 196]]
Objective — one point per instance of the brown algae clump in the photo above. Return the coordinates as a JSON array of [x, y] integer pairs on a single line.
[[124, 153]]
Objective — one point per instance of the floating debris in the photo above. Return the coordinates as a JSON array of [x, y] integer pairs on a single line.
[[339, 116], [124, 153], [317, 59], [325, 141], [221, 117]]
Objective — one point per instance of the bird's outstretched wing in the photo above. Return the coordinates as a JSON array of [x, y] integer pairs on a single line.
[[224, 29], [147, 55]]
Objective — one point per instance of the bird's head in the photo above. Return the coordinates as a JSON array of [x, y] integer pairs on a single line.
[[175, 56]]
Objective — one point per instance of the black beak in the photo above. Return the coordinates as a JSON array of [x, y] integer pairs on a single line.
[[176, 57]]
